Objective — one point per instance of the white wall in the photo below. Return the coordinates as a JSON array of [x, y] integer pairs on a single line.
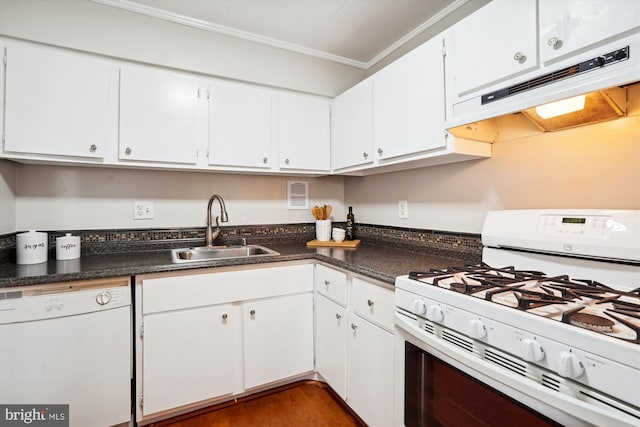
[[594, 166], [7, 197], [62, 198], [93, 27]]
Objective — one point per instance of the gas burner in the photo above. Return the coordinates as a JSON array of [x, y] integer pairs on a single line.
[[588, 321]]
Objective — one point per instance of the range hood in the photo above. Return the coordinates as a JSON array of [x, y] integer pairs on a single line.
[[602, 85]]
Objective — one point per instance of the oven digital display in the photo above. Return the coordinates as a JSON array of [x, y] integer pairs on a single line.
[[574, 220]]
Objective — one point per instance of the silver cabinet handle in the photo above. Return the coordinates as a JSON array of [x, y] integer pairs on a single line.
[[555, 42], [338, 316], [224, 316], [93, 148], [370, 303], [265, 160], [365, 155], [252, 312], [127, 151], [354, 326], [380, 151], [520, 57], [286, 161]]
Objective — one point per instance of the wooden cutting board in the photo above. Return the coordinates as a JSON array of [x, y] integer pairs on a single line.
[[333, 244]]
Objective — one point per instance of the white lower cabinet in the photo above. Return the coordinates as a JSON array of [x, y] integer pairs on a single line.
[[188, 356], [331, 344], [278, 338], [370, 372], [354, 343], [203, 338]]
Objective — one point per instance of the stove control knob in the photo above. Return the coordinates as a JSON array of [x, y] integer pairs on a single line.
[[419, 307], [569, 365], [531, 350], [435, 313], [477, 329]]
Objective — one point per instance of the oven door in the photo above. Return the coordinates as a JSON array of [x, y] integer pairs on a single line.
[[439, 384]]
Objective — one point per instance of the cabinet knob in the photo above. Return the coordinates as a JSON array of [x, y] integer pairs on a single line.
[[555, 42], [127, 151], [93, 148], [380, 151], [520, 57], [265, 160], [370, 303], [338, 316], [365, 155], [252, 312], [286, 161], [354, 326], [326, 282], [224, 316]]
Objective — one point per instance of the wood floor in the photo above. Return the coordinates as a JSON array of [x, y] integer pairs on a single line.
[[306, 403]]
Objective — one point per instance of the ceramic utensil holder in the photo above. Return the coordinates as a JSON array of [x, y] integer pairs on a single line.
[[323, 230]]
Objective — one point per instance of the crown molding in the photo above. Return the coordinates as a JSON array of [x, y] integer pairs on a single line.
[[228, 31], [292, 47], [416, 31]]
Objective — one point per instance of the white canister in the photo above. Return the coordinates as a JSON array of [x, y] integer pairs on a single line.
[[67, 247], [31, 247]]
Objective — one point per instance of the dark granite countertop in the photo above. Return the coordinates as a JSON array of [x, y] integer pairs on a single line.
[[373, 261]]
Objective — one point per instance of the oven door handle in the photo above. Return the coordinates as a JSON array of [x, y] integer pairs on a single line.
[[573, 407]]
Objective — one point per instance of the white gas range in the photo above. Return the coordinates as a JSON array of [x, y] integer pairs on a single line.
[[546, 330]]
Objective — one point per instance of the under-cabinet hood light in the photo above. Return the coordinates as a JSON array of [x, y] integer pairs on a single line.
[[558, 108]]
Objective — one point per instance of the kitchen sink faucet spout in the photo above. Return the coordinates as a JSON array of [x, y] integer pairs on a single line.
[[210, 235]]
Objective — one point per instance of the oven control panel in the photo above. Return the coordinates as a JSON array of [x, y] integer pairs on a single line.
[[574, 225]]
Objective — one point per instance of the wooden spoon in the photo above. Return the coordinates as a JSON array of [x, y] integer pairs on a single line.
[[316, 211], [327, 209]]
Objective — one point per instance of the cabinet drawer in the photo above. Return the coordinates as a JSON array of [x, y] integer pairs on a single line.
[[331, 283], [372, 302]]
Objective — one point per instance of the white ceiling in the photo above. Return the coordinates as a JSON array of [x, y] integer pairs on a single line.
[[353, 32]]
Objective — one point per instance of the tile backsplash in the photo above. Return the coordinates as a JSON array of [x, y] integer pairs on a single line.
[[458, 245]]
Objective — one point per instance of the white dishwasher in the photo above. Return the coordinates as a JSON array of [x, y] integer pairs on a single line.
[[69, 343]]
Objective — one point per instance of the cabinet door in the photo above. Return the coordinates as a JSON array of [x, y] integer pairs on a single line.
[[240, 126], [494, 43], [161, 116], [187, 357], [569, 25], [278, 338], [303, 128], [59, 103], [408, 103], [331, 344], [352, 126], [370, 372]]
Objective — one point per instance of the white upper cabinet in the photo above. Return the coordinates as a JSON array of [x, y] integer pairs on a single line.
[[493, 44], [409, 104], [59, 104], [569, 25], [352, 127], [241, 125], [162, 115], [303, 132]]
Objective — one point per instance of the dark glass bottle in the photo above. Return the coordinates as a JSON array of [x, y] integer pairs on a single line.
[[351, 224]]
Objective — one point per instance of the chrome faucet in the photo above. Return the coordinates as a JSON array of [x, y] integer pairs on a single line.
[[210, 235]]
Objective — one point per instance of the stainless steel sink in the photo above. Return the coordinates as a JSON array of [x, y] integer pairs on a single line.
[[205, 253]]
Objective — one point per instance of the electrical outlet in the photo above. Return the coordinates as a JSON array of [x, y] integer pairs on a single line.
[[403, 209], [142, 209]]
